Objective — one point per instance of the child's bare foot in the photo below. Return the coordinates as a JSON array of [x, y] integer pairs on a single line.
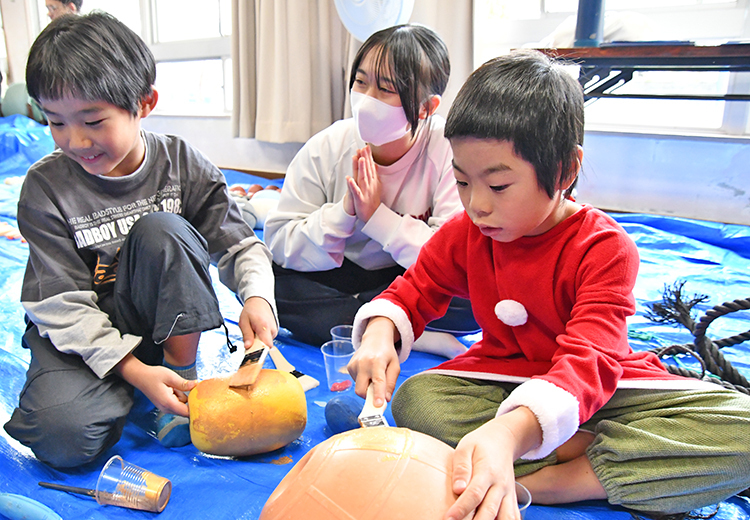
[[440, 344]]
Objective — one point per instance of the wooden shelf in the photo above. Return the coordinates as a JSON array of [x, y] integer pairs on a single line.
[[626, 58]]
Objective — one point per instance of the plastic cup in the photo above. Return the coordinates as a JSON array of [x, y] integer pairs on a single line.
[[342, 332], [524, 499], [126, 485], [336, 354]]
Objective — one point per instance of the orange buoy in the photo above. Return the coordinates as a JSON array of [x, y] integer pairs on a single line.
[[246, 421], [368, 473]]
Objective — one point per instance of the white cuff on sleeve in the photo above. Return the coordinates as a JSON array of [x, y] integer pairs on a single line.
[[391, 311], [381, 224], [336, 219], [554, 408]]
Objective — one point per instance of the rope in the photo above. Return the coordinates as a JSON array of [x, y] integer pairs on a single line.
[[707, 352]]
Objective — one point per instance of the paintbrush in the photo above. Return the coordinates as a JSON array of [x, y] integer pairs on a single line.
[[372, 415], [251, 365], [307, 382], [69, 489], [77, 490]]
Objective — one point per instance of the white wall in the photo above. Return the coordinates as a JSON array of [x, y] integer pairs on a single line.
[[700, 178]]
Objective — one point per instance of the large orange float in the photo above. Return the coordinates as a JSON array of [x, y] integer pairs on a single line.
[[368, 473], [246, 421]]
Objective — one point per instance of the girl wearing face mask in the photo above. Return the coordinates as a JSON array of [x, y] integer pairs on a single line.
[[362, 196]]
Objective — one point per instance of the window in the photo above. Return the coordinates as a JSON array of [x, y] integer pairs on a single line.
[[570, 6], [501, 25], [181, 20], [190, 41], [194, 87], [127, 12], [685, 114]]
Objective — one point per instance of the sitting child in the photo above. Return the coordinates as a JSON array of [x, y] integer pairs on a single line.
[[122, 225], [362, 196], [553, 394]]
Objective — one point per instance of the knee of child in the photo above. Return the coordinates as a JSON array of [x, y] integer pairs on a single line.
[[156, 225], [68, 429], [155, 232], [406, 400], [64, 456], [63, 439]]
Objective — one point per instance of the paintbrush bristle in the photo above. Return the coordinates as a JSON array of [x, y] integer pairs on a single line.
[[307, 382], [250, 368], [373, 420], [252, 357], [372, 415]]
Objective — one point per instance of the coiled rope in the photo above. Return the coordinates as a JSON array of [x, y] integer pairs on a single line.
[[714, 366]]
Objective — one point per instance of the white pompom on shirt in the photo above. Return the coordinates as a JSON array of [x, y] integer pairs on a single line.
[[511, 312]]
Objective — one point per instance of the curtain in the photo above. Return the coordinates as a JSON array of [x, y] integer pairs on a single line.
[[290, 63], [453, 20]]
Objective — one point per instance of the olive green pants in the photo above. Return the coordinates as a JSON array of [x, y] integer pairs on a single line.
[[657, 451]]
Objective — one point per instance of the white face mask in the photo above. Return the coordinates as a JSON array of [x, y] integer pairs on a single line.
[[378, 123]]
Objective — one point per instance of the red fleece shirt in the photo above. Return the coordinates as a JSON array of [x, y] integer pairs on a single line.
[[575, 282]]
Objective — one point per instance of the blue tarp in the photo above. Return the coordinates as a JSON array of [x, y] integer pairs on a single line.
[[713, 258]]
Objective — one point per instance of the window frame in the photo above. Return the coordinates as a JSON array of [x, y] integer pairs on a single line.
[[186, 50], [701, 20]]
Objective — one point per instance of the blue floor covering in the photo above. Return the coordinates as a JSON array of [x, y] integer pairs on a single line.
[[713, 258]]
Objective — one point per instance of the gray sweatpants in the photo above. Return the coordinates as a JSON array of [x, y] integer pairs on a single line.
[[657, 451], [66, 414]]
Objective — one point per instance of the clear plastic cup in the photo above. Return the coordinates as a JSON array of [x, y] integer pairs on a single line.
[[126, 485], [342, 332], [524, 499], [336, 354]]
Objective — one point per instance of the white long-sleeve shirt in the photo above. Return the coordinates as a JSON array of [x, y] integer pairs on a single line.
[[311, 231]]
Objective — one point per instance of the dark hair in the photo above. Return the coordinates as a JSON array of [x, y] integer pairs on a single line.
[[76, 3], [527, 99], [92, 57], [417, 60]]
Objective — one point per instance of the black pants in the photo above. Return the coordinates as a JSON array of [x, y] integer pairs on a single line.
[[66, 414], [309, 304]]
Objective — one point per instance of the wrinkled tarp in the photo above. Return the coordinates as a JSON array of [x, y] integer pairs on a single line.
[[713, 258]]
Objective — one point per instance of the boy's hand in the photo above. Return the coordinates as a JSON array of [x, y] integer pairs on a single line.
[[161, 385], [483, 466], [257, 319], [376, 360], [364, 188]]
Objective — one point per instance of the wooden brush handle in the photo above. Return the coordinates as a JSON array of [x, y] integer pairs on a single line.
[[369, 408], [280, 361]]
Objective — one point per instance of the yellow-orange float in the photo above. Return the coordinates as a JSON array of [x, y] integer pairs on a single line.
[[246, 421]]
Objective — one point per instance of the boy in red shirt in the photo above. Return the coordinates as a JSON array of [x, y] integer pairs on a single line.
[[553, 394]]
